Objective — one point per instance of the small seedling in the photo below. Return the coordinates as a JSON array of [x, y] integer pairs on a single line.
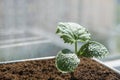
[[72, 33]]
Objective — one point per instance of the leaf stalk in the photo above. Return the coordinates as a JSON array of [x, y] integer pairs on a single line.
[[76, 47]]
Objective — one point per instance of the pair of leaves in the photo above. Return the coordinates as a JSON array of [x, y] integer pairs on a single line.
[[67, 61], [71, 32]]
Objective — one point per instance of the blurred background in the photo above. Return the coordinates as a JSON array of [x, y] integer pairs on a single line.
[[27, 27]]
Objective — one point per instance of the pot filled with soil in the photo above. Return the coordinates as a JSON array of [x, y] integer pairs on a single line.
[[66, 65], [45, 69]]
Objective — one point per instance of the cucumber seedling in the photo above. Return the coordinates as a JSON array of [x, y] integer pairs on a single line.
[[66, 60]]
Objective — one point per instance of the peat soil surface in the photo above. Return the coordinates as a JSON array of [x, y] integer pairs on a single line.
[[88, 69]]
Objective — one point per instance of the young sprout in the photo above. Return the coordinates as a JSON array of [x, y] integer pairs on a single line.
[[66, 60]]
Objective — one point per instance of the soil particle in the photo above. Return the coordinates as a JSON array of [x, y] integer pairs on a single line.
[[46, 70]]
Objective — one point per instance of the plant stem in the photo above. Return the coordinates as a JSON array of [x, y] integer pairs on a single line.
[[76, 47], [72, 76]]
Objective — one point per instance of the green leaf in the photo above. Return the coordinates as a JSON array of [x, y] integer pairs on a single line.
[[71, 32], [66, 61], [92, 49]]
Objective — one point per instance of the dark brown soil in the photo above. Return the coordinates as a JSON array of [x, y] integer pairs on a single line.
[[46, 70]]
